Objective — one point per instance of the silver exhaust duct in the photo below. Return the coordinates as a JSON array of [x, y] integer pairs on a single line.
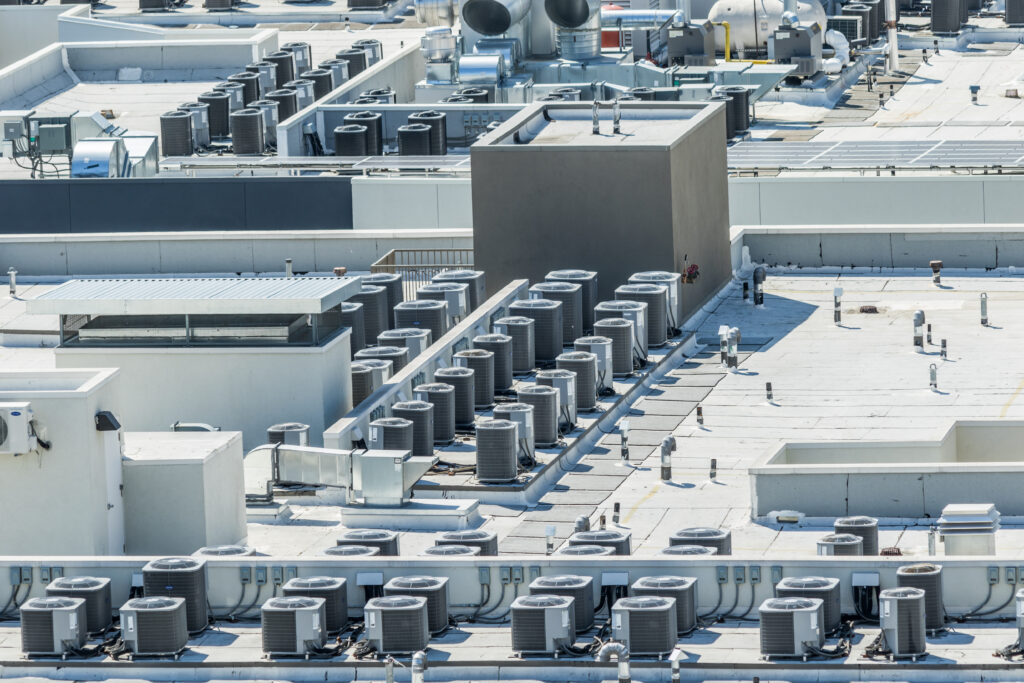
[[494, 17]]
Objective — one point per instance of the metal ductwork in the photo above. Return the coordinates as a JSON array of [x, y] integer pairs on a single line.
[[572, 13], [435, 12], [494, 17], [637, 19]]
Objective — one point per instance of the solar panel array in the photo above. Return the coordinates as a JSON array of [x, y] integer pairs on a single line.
[[879, 154]]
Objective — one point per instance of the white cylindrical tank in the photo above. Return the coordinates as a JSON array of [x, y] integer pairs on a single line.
[[750, 23]]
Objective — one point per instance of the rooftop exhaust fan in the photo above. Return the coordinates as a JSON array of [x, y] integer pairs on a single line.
[[618, 540], [579, 588], [96, 593], [646, 625], [682, 589], [902, 618], [927, 577], [293, 625], [386, 541], [334, 593], [180, 577], [397, 624], [820, 587], [487, 541], [154, 626], [543, 624], [841, 544], [719, 539], [433, 588], [52, 626], [791, 627], [865, 527]]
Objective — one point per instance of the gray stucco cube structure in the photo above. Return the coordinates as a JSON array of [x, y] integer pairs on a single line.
[[548, 193]]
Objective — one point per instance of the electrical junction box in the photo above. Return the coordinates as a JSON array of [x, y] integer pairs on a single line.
[[14, 130], [54, 138]]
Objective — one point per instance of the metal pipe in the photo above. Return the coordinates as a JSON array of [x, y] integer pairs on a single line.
[[494, 17], [728, 38], [891, 37], [596, 114], [616, 118], [668, 446], [288, 268], [673, 660], [13, 275], [621, 654], [636, 19], [193, 427], [419, 665]]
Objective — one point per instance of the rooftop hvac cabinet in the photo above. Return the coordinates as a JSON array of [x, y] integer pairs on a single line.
[[192, 478]]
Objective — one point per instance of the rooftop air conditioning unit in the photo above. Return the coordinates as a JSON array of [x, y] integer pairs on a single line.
[[646, 625], [16, 433], [397, 624], [154, 626], [180, 577], [96, 593], [927, 577], [719, 539], [225, 551], [334, 593], [591, 550], [455, 294], [902, 619], [487, 541], [579, 588], [791, 627], [674, 282], [387, 541], [682, 589], [291, 625], [587, 279], [820, 587], [865, 527], [52, 626], [841, 544], [433, 588], [618, 540], [688, 550], [474, 279], [351, 551], [451, 550], [543, 624]]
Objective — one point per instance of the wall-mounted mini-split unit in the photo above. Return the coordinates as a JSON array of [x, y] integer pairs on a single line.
[[17, 435]]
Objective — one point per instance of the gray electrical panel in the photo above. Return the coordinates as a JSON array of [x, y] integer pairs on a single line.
[[14, 130], [54, 138], [692, 44], [799, 45]]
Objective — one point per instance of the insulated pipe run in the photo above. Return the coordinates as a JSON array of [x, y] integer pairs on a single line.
[[419, 665], [621, 654], [636, 19]]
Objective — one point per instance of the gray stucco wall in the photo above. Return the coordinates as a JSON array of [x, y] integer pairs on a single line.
[[615, 211]]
